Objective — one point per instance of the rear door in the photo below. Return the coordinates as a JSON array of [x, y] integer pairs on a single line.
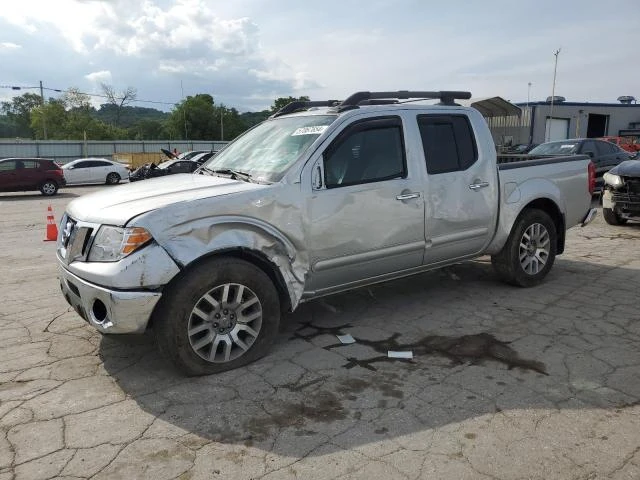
[[461, 198], [99, 170], [31, 175]]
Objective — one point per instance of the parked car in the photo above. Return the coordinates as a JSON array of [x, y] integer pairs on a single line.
[[184, 155], [24, 174], [170, 167], [605, 155], [621, 195], [307, 204], [94, 170], [520, 148], [629, 144]]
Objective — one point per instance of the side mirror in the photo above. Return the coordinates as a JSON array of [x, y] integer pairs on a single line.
[[317, 177], [590, 153]]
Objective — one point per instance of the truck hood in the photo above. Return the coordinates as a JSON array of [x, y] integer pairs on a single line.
[[628, 168], [118, 205]]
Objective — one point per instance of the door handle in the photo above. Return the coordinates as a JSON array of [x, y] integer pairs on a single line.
[[478, 185], [408, 196]]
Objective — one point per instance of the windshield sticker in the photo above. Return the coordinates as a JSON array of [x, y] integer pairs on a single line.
[[317, 130], [568, 146]]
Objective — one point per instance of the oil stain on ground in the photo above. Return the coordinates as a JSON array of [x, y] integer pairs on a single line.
[[466, 348]]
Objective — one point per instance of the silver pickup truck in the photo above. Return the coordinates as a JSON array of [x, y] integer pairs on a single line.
[[322, 197]]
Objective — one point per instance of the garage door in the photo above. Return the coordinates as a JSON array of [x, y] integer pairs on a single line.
[[557, 129]]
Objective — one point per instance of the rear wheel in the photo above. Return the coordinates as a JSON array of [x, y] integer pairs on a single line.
[[530, 250], [48, 188], [612, 218], [113, 178], [222, 314]]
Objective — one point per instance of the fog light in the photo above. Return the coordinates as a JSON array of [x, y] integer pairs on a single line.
[[99, 311]]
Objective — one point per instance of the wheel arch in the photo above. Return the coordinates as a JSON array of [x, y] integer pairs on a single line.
[[550, 208], [256, 258]]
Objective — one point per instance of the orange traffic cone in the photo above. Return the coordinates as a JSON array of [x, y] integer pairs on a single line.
[[52, 228]]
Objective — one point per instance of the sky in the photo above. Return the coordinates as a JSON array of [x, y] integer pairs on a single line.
[[245, 53]]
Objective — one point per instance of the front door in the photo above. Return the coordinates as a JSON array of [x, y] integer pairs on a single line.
[[461, 196], [365, 215]]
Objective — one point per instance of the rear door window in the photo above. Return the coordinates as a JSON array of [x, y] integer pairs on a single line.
[[32, 164], [448, 143]]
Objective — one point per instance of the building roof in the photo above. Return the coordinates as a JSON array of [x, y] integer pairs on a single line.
[[492, 106], [581, 104]]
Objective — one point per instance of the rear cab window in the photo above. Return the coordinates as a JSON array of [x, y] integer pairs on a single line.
[[448, 142]]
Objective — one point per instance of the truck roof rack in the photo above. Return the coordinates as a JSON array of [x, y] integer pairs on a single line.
[[446, 97], [300, 105]]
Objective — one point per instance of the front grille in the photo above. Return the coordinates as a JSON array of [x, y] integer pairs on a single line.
[[632, 185], [75, 239]]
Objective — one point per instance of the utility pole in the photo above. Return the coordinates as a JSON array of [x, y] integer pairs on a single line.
[[528, 93], [222, 124], [184, 111], [44, 117], [553, 93]]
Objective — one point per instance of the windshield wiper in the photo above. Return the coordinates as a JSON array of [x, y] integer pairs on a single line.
[[235, 174]]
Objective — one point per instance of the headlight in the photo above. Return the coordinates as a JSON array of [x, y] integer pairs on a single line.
[[613, 180], [114, 243]]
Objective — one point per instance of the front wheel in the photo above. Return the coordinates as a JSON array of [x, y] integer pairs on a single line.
[[612, 218], [49, 188], [113, 178], [220, 315], [530, 250]]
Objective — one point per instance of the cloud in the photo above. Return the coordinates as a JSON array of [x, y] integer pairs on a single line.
[[103, 76], [9, 46], [183, 39]]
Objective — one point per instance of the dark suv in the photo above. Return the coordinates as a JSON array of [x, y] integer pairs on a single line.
[[24, 174]]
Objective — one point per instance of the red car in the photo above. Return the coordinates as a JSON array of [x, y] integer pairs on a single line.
[[626, 143], [24, 174]]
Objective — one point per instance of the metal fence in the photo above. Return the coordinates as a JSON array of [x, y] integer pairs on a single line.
[[511, 130], [63, 151]]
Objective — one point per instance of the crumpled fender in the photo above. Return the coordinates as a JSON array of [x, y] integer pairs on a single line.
[[188, 241]]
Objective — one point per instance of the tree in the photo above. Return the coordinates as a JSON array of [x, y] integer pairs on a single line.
[[71, 117], [119, 99], [54, 115], [284, 101], [147, 129], [18, 113], [194, 119]]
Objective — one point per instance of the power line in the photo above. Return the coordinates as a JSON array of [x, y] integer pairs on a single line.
[[16, 87]]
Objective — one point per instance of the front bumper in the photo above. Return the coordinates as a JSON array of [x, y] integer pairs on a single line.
[[626, 204], [109, 311]]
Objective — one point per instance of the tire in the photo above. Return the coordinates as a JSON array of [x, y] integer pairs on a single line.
[[113, 178], [49, 188], [188, 324], [612, 218], [523, 262]]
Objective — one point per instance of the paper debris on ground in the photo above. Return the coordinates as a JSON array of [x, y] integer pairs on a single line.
[[346, 339], [406, 355]]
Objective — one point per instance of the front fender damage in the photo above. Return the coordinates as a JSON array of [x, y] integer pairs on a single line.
[[188, 242]]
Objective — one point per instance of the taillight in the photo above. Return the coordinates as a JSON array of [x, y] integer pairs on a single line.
[[591, 183]]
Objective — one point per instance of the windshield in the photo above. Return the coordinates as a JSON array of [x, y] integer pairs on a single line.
[[555, 148], [268, 150]]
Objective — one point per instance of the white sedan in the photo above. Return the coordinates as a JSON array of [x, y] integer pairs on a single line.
[[94, 170]]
